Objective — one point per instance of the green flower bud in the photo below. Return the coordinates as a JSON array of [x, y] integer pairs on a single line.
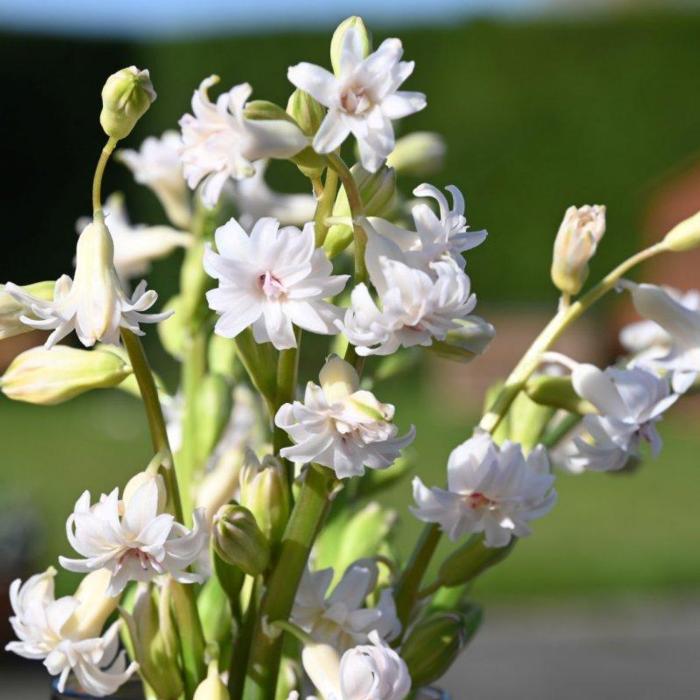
[[126, 97], [49, 377], [239, 541], [557, 392], [11, 309], [351, 23], [305, 111], [378, 192], [265, 492], [434, 644], [470, 560], [153, 640], [212, 687], [419, 154], [466, 342], [684, 236], [213, 401]]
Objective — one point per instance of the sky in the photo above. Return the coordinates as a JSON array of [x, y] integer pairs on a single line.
[[150, 18]]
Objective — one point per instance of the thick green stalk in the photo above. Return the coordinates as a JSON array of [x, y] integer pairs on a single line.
[[241, 647], [303, 526]]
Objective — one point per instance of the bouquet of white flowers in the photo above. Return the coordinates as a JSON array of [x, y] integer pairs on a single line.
[[250, 558]]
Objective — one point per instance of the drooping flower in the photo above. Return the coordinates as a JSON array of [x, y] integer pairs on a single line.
[[219, 142], [435, 237], [272, 279], [415, 307], [340, 426], [94, 303], [255, 199], [133, 538], [341, 618], [48, 629], [13, 309], [630, 402], [676, 332], [363, 99], [575, 244], [157, 165], [136, 246], [491, 489], [365, 672]]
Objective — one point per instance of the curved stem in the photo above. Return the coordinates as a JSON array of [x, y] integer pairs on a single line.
[[99, 173]]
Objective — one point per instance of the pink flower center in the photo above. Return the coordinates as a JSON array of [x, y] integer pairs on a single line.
[[353, 99], [477, 500], [139, 555], [271, 286]]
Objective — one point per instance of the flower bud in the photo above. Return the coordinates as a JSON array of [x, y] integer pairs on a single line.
[[94, 606], [361, 35], [557, 392], [470, 560], [419, 154], [239, 541], [212, 687], [265, 492], [576, 243], [213, 401], [11, 309], [434, 644], [141, 478], [126, 96], [378, 192], [338, 379], [305, 111], [219, 485], [49, 377], [684, 236], [466, 342]]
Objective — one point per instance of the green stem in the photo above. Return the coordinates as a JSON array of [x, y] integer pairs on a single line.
[[552, 332], [241, 648], [99, 173], [553, 437], [410, 580], [192, 643], [303, 526], [324, 206]]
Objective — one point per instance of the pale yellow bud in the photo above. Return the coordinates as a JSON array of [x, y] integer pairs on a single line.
[[419, 154], [357, 26], [684, 236], [126, 96], [219, 485], [94, 606], [141, 478], [322, 665], [576, 243], [212, 687], [49, 377], [11, 309], [338, 379]]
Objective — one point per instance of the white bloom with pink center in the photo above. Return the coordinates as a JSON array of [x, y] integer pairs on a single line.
[[363, 99], [491, 489], [272, 279], [133, 538]]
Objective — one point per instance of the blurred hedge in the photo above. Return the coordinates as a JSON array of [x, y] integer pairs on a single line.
[[537, 116]]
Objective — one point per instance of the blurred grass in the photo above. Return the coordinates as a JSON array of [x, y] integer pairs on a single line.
[[608, 534]]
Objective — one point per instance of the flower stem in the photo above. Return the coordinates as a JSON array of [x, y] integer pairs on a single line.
[[324, 206], [303, 526], [241, 647], [99, 173], [551, 333]]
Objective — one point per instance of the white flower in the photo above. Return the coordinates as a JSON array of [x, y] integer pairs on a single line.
[[491, 489], [271, 279], [157, 165], [366, 672], [362, 100], [630, 402], [46, 630], [575, 244], [340, 426], [219, 142], [94, 303], [678, 316], [133, 538], [435, 238], [255, 199], [341, 618], [135, 246], [13, 309], [415, 307]]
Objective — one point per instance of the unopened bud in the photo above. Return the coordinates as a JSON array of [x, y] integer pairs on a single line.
[[265, 492], [219, 485], [305, 111], [419, 154], [212, 687], [141, 479], [576, 243], [378, 193], [466, 342], [557, 392], [684, 236], [11, 309], [470, 560], [434, 644], [49, 377], [94, 606], [239, 541], [126, 96], [353, 30], [338, 379]]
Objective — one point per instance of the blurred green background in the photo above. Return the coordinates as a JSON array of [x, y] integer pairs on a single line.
[[537, 115]]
